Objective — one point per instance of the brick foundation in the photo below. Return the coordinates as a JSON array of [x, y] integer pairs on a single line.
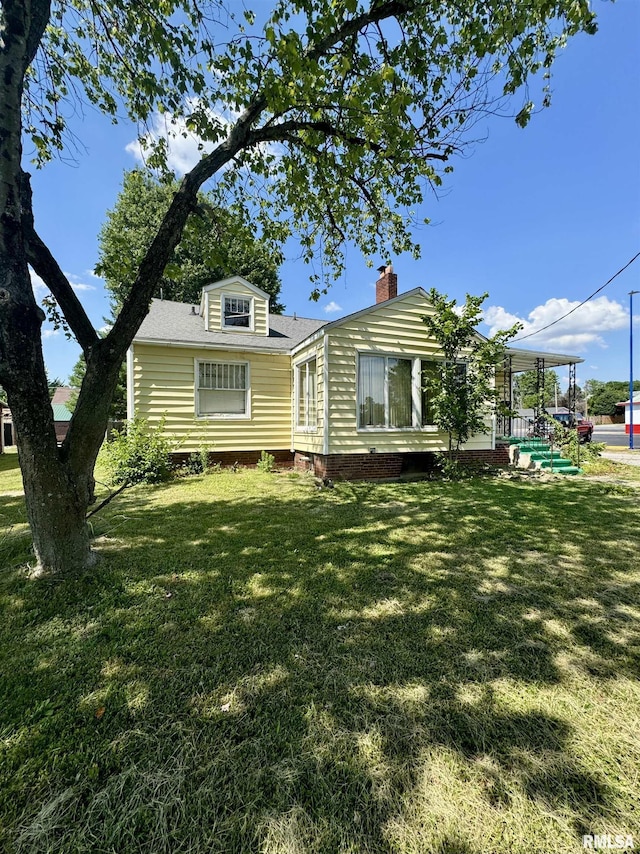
[[382, 466], [352, 466], [244, 458]]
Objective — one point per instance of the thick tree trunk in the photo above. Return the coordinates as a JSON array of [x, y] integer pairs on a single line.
[[56, 515], [57, 491], [56, 500]]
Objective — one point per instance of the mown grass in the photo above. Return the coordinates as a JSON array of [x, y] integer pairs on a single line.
[[10, 475], [259, 665]]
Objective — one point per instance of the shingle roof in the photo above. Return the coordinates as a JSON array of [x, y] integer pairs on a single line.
[[173, 322], [62, 394]]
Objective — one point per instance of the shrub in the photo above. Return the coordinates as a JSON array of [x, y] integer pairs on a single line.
[[579, 453], [203, 453], [198, 461], [137, 454], [266, 462], [193, 464], [451, 468]]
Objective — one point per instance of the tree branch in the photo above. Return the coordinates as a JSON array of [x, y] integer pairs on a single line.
[[284, 132], [46, 266], [108, 499], [136, 305]]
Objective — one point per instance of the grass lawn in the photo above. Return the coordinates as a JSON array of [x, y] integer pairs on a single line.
[[260, 666]]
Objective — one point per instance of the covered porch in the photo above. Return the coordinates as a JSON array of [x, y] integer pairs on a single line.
[[533, 423]]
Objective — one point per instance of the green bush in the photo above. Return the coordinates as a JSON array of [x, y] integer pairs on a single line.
[[137, 454], [579, 453], [266, 462], [198, 461]]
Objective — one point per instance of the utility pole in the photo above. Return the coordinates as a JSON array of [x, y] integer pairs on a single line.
[[631, 293]]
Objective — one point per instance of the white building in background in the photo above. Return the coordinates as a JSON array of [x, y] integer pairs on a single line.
[[627, 413]]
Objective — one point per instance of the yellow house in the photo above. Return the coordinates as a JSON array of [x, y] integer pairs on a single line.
[[343, 399]]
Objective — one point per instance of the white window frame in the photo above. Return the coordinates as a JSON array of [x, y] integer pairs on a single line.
[[221, 416], [230, 327], [416, 393], [304, 428]]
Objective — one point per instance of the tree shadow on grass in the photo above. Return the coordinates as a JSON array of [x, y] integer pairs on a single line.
[[375, 668]]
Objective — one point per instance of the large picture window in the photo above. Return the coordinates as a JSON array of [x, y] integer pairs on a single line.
[[223, 389], [237, 312], [385, 391], [306, 396]]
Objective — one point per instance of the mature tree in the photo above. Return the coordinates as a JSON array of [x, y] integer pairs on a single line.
[[565, 400], [462, 392], [329, 119], [525, 389], [215, 244], [606, 395], [118, 409]]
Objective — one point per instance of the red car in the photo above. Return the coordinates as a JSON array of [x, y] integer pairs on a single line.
[[580, 423]]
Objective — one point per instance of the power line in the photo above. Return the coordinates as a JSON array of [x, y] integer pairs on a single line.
[[576, 307]]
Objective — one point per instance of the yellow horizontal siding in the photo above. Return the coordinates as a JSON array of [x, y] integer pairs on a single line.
[[260, 309], [396, 330], [312, 442], [164, 385]]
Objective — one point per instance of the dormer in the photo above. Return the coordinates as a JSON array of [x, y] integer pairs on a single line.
[[236, 306]]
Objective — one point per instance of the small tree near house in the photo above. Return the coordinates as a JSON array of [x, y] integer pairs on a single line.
[[462, 392]]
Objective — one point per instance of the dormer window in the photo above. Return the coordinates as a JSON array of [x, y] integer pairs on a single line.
[[237, 312]]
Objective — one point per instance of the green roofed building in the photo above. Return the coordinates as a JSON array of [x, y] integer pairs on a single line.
[[61, 411]]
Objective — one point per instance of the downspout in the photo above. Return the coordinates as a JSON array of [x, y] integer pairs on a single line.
[[293, 407], [130, 395]]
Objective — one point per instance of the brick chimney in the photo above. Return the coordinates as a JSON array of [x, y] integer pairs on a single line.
[[387, 284]]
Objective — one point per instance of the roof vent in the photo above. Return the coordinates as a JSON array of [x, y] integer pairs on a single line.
[[193, 309], [295, 316]]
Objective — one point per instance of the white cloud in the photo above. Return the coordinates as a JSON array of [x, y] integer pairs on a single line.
[[49, 333], [574, 333], [332, 307], [40, 290], [185, 148]]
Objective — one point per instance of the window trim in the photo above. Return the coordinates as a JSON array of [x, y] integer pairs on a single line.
[[416, 393], [237, 329], [221, 416], [300, 428]]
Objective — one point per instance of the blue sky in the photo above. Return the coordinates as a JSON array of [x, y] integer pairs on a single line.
[[540, 218]]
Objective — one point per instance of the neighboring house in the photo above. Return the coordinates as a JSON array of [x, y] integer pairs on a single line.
[[61, 411], [341, 398], [7, 431], [627, 413]]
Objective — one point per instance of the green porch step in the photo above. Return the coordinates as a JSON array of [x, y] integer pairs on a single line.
[[555, 463], [540, 453]]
